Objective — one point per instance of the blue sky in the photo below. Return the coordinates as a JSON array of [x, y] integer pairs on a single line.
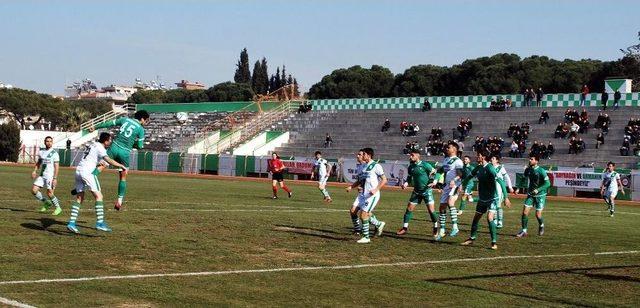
[[46, 44]]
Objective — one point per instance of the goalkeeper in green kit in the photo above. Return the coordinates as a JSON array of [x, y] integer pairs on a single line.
[[130, 134]]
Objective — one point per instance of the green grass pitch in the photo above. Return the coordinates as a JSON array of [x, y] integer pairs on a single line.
[[251, 250]]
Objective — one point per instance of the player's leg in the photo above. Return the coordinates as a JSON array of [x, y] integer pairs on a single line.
[[431, 208], [322, 186], [75, 212], [493, 228], [274, 188], [454, 213], [54, 200], [357, 227], [528, 203], [94, 185], [408, 214], [35, 190], [499, 215], [121, 156], [539, 204], [480, 209], [612, 202], [373, 201], [284, 186]]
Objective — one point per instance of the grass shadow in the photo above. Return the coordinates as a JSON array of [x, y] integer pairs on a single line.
[[45, 223]]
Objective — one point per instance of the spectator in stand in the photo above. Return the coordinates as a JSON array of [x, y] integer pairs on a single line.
[[386, 125], [522, 148], [573, 145], [426, 106], [416, 129], [599, 140], [544, 116], [409, 130], [583, 95], [624, 149], [550, 150], [328, 141], [68, 144], [604, 97], [407, 148], [513, 152], [616, 99], [636, 150], [560, 131], [605, 128], [543, 151], [539, 96], [469, 124], [573, 130], [581, 145], [512, 128], [599, 121], [403, 128]]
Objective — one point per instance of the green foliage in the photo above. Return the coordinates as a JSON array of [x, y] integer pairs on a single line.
[[355, 81], [230, 92], [243, 75], [260, 77], [9, 141], [498, 74], [170, 96]]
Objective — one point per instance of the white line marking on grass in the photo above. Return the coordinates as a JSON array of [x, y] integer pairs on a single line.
[[13, 303], [312, 268]]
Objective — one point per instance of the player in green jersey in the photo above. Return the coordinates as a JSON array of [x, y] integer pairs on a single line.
[[536, 194], [467, 195], [420, 175], [504, 181], [487, 197], [130, 134]]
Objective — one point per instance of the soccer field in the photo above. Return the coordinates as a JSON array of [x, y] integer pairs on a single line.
[[199, 242]]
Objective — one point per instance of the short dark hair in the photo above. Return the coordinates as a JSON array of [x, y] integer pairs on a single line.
[[141, 114], [414, 151], [497, 156], [368, 151], [48, 137], [534, 156], [467, 156], [453, 143], [611, 163], [317, 152], [104, 137], [276, 154], [484, 153]]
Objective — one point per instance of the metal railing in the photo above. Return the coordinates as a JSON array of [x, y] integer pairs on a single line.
[[112, 114], [253, 127]]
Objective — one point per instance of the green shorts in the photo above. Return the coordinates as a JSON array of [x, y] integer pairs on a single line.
[[417, 197], [119, 154], [484, 206], [537, 201]]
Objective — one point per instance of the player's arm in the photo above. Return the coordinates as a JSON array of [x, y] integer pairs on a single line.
[[56, 169], [140, 142], [383, 181], [620, 184], [470, 176], [106, 124], [407, 181], [114, 163], [507, 180], [523, 181], [34, 173]]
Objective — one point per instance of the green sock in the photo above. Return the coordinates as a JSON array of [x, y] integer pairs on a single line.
[[434, 217], [525, 222], [365, 227], [374, 220], [325, 193], [540, 221], [500, 215], [463, 204], [407, 218], [493, 229], [122, 189]]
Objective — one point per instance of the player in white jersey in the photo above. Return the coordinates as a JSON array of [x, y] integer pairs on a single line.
[[45, 175], [371, 179], [502, 179], [611, 183], [86, 178], [322, 170], [452, 168]]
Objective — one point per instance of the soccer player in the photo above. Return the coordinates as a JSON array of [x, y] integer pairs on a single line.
[[131, 133], [504, 181], [487, 197], [357, 226], [536, 194], [277, 169], [48, 162], [371, 179], [86, 178], [420, 175], [322, 170], [468, 191], [452, 169], [609, 188]]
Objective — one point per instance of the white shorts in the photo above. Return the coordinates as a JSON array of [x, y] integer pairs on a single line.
[[322, 180], [448, 192], [86, 179], [43, 181], [610, 194], [368, 203]]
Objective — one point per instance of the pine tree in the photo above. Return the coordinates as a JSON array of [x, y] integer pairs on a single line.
[[283, 79], [296, 89], [256, 83], [264, 76], [272, 84], [243, 74], [278, 80], [289, 80]]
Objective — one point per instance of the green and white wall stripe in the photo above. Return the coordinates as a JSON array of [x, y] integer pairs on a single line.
[[471, 101]]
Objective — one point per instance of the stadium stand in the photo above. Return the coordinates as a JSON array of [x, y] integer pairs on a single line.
[[354, 129]]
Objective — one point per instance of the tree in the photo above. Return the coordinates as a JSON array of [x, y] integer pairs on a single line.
[[420, 80], [230, 92], [243, 75], [264, 76], [21, 104], [296, 88], [277, 81], [260, 78], [354, 82], [9, 141]]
